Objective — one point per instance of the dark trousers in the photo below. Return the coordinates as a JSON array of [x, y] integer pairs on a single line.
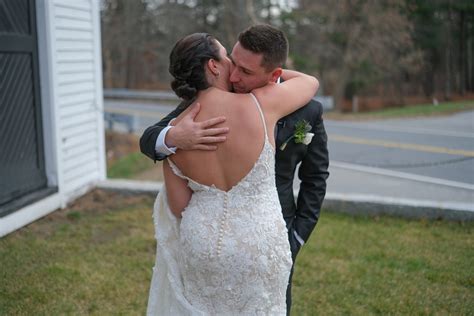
[[295, 248], [294, 252], [288, 292]]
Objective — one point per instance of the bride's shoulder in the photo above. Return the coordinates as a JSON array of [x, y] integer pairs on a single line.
[[219, 98]]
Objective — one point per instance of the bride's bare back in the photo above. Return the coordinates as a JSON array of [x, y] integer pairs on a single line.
[[234, 158]]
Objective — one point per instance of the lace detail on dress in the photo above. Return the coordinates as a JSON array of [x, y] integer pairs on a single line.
[[229, 253]]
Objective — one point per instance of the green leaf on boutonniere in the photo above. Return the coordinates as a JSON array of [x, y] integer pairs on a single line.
[[301, 128]]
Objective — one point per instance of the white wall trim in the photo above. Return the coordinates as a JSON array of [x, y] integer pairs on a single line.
[[99, 97], [46, 86], [54, 98], [29, 214]]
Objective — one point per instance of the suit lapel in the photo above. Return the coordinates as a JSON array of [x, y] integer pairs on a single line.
[[286, 126], [279, 125]]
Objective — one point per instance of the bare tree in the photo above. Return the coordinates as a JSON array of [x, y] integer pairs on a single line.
[[346, 39]]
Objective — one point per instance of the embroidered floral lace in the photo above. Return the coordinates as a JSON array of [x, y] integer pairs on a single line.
[[229, 254]]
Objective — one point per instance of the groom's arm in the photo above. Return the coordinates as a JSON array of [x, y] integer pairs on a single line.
[[186, 134], [150, 135], [313, 173]]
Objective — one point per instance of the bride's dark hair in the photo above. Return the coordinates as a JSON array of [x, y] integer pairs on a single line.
[[187, 63]]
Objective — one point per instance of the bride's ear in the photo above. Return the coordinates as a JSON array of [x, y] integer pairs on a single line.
[[212, 66]]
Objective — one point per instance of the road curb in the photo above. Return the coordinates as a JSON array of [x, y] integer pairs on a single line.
[[131, 186], [354, 204], [406, 208]]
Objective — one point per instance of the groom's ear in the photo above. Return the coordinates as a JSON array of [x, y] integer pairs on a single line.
[[276, 73]]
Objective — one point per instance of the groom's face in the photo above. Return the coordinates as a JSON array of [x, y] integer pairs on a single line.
[[248, 72]]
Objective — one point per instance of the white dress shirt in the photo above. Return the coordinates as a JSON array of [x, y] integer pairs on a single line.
[[160, 145]]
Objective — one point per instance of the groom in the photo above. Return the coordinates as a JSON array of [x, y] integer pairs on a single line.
[[253, 69]]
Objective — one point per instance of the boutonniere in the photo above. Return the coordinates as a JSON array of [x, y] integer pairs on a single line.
[[300, 135]]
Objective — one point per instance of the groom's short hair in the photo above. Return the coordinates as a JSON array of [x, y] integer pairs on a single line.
[[266, 40]]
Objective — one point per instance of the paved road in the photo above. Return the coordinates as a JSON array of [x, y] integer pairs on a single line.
[[420, 165], [441, 147], [138, 108], [142, 114]]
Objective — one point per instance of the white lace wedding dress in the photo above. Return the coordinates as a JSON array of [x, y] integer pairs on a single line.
[[229, 254]]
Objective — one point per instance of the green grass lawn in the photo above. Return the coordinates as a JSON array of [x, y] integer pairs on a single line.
[[407, 111], [129, 165], [96, 258]]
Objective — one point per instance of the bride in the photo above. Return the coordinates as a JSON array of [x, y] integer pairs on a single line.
[[222, 243]]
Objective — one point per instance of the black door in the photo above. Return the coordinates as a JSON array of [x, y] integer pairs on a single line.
[[22, 169]]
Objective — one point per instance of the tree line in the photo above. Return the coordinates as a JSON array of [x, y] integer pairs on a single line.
[[381, 52]]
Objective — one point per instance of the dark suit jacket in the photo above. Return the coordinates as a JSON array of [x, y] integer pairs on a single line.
[[303, 215], [150, 135]]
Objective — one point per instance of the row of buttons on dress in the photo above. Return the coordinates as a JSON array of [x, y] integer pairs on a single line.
[[221, 226]]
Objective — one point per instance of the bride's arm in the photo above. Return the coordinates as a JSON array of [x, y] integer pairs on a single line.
[[177, 190], [281, 99]]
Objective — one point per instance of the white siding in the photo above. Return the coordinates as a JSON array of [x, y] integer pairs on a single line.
[[71, 97], [75, 30]]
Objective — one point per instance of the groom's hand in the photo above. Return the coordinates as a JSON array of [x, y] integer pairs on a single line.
[[190, 135]]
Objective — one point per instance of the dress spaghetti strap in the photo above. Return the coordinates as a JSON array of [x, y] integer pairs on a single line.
[[261, 114], [195, 186]]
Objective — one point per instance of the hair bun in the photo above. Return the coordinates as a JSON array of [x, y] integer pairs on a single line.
[[183, 89], [187, 64]]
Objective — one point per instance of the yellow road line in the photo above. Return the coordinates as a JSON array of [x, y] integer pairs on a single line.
[[417, 147]]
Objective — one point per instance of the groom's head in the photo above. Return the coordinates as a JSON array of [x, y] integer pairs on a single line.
[[258, 56]]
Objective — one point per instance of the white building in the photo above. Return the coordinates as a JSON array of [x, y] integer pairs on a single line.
[[51, 110]]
